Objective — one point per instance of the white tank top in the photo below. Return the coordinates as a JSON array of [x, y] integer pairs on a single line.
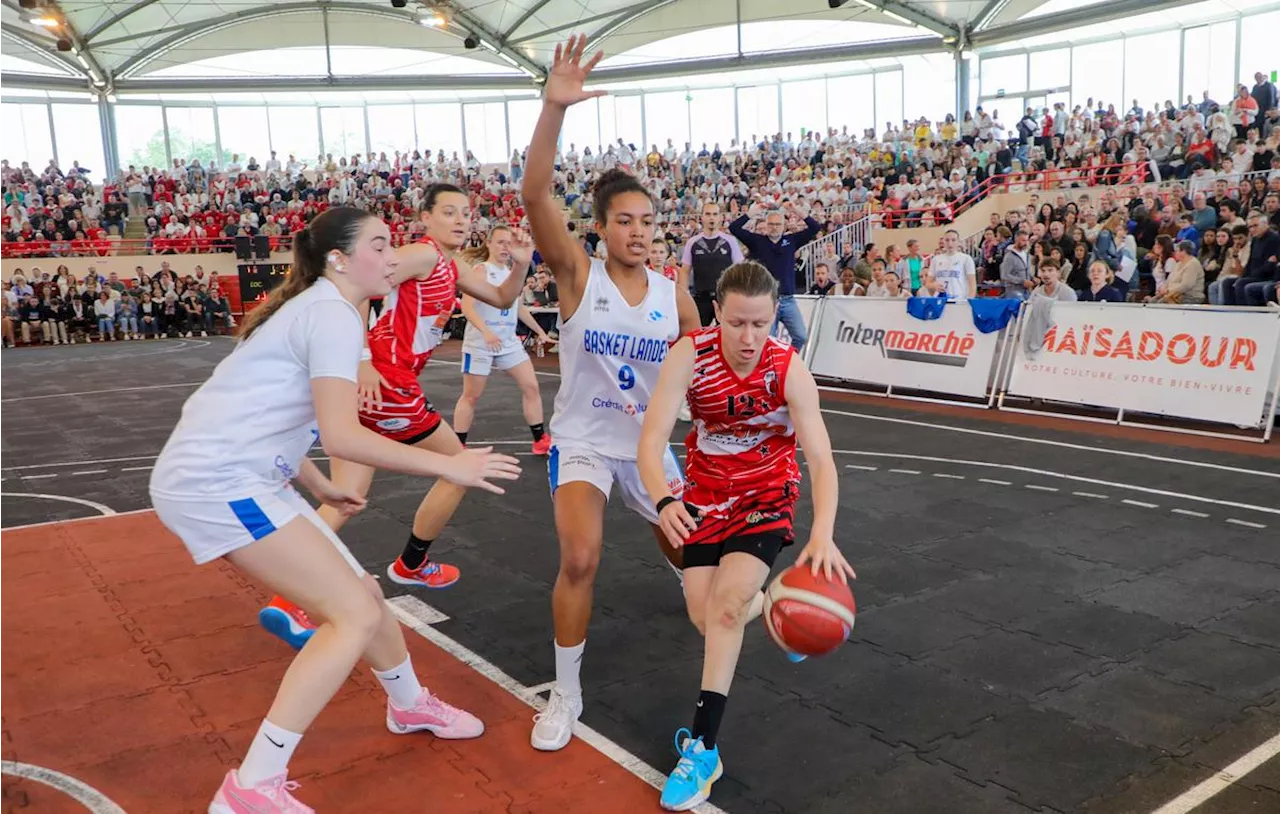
[[610, 353], [500, 321]]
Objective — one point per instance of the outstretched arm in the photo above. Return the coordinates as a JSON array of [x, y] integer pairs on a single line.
[[563, 88], [472, 280]]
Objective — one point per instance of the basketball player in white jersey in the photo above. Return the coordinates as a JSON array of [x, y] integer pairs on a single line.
[[617, 322], [490, 343], [223, 485]]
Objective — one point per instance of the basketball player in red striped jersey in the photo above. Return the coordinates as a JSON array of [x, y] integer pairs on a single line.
[[752, 399], [392, 403]]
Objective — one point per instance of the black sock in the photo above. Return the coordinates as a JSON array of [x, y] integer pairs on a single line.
[[537, 430], [415, 552], [706, 718], [462, 436]]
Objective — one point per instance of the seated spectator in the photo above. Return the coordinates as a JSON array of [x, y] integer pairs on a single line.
[[104, 310], [822, 282], [1100, 288], [848, 286], [1185, 282]]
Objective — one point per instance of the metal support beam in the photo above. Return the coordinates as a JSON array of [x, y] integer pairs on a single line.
[[626, 17], [45, 47], [908, 12], [328, 51], [632, 12], [116, 18], [81, 47], [988, 14], [281, 83], [768, 59], [524, 18], [465, 20], [1087, 15]]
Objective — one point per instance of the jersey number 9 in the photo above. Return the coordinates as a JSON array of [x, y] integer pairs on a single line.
[[626, 378]]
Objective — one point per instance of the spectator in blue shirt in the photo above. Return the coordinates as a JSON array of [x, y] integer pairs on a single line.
[[777, 252]]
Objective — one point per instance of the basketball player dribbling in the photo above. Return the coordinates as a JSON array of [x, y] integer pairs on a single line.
[[617, 322], [426, 281], [490, 343], [752, 399], [223, 485]]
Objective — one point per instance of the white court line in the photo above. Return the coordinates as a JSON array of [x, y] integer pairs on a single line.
[[904, 471], [400, 606], [1245, 523], [1062, 476], [1093, 495], [1198, 794], [79, 463], [863, 468], [100, 392], [81, 792], [995, 482], [1047, 442], [136, 468], [37, 477], [89, 472], [1188, 513], [948, 476], [105, 510], [76, 520], [1140, 503], [1040, 488]]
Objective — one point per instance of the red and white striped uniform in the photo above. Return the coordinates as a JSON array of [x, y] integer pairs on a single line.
[[412, 323], [741, 467]]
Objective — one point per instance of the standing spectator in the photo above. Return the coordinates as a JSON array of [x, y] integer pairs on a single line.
[[1264, 93], [1015, 268], [954, 269], [777, 252], [105, 312]]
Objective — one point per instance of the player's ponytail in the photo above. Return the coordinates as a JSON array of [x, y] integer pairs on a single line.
[[749, 279], [332, 229]]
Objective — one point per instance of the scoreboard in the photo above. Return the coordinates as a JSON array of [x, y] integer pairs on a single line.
[[257, 280]]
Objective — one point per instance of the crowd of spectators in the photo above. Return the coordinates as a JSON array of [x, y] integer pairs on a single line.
[[1224, 160], [57, 308]]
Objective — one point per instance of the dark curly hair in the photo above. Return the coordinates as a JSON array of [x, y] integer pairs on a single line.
[[612, 184]]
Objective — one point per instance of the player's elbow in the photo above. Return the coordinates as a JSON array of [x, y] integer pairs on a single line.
[[341, 441]]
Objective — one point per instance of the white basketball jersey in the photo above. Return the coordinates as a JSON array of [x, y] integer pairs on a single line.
[[610, 353], [500, 321]]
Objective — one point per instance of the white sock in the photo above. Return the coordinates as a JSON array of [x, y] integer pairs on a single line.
[[569, 668], [268, 754], [401, 684]]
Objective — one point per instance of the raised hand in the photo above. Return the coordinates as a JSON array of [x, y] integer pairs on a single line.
[[521, 250], [568, 74]]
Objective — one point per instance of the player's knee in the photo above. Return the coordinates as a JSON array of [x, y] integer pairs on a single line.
[[578, 564], [361, 616], [375, 590], [730, 607]]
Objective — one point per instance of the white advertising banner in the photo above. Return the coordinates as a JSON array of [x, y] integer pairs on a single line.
[[1195, 363], [877, 341]]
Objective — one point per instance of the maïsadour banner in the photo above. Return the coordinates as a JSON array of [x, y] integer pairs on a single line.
[[1195, 362], [878, 342]]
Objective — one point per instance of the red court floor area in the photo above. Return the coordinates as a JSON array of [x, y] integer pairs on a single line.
[[132, 670]]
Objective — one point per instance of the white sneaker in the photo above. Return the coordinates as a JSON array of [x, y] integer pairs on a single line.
[[553, 727]]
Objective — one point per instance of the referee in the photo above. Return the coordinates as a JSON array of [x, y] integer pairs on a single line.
[[705, 257]]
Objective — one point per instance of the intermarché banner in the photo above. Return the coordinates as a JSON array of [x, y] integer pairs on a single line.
[[1191, 363], [878, 342]]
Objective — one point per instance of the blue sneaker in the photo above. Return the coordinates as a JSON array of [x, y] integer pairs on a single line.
[[795, 658], [287, 621], [689, 784]]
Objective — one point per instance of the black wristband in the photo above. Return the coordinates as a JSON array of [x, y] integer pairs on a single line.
[[662, 504]]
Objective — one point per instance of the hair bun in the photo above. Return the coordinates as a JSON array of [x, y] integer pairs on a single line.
[[610, 177]]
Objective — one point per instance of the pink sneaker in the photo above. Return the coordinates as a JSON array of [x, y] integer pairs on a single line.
[[271, 796], [436, 717]]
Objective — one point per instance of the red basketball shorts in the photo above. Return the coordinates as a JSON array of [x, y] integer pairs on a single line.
[[406, 414]]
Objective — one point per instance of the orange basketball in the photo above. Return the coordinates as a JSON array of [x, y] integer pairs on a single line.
[[808, 615]]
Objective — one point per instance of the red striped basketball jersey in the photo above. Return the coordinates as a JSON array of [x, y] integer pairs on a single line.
[[414, 316], [742, 437]]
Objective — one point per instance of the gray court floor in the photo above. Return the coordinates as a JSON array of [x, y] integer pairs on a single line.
[[1048, 620]]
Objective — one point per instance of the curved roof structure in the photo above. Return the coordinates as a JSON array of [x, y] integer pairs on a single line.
[[230, 44]]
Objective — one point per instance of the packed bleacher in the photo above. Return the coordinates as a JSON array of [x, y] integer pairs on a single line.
[[1169, 204]]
